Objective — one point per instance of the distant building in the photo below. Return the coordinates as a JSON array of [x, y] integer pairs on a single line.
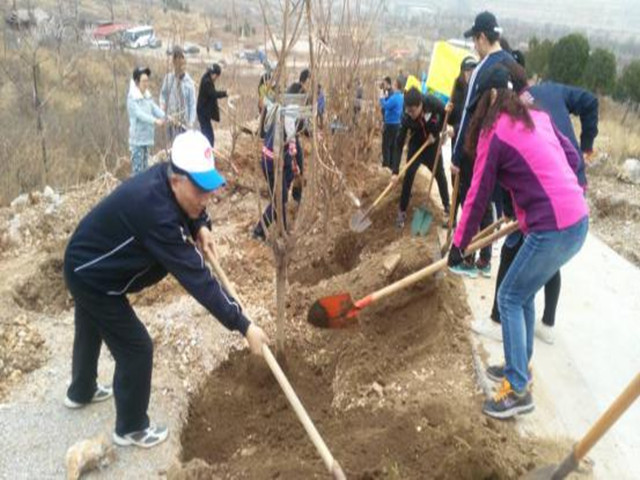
[[109, 30]]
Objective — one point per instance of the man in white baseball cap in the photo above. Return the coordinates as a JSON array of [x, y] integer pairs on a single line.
[[143, 230]]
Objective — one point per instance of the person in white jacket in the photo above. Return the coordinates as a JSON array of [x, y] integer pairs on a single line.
[[144, 116], [178, 97]]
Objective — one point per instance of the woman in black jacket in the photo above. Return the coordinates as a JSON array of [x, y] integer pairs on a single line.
[[208, 96]]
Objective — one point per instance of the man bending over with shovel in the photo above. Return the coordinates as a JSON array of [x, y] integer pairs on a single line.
[[129, 241], [424, 116]]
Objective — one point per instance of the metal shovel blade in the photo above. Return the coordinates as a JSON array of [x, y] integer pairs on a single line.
[[421, 222], [359, 222], [335, 311], [542, 473]]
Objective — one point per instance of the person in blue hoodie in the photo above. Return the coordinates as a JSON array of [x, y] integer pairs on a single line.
[[152, 224], [144, 116], [392, 105]]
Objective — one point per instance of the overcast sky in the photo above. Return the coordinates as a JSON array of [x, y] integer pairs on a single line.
[[615, 14]]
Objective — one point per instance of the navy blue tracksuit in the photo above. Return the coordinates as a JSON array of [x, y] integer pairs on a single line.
[[560, 102], [129, 241]]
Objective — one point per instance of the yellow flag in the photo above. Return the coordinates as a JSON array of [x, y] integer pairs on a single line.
[[444, 67], [412, 82]]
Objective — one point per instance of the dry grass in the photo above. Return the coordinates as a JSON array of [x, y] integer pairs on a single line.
[[619, 136], [85, 119]]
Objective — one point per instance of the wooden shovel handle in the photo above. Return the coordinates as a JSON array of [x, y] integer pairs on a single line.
[[437, 266], [297, 406], [436, 162], [489, 229], [409, 162], [608, 418], [332, 465], [481, 234], [453, 206], [452, 214]]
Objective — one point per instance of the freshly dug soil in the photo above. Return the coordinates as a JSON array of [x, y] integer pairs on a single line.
[[45, 291], [393, 397]]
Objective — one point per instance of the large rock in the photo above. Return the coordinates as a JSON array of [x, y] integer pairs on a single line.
[[86, 455], [631, 171]]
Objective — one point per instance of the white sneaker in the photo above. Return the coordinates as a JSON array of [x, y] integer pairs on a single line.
[[487, 328], [148, 438], [103, 392], [545, 333]]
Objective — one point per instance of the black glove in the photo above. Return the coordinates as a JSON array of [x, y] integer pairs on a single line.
[[455, 256]]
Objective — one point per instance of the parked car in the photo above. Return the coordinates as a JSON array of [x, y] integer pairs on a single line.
[[191, 49]]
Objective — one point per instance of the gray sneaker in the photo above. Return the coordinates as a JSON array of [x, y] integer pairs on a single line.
[[401, 219], [508, 403], [103, 392], [147, 438]]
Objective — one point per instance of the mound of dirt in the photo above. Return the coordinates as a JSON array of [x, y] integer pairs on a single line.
[[165, 291], [45, 291], [21, 349], [42, 220], [241, 419], [394, 397]]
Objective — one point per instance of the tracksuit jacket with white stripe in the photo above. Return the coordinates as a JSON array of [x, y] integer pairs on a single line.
[[138, 234]]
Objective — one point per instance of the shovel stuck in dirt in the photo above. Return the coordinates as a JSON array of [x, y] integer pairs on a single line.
[[422, 217], [360, 220], [331, 463], [340, 311], [595, 433]]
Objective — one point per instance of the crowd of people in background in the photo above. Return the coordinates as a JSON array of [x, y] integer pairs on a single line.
[[178, 107]]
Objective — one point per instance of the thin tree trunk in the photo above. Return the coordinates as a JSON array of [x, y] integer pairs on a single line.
[[116, 99], [39, 121], [281, 293], [280, 233]]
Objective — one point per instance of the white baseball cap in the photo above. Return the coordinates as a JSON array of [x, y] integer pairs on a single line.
[[192, 155]]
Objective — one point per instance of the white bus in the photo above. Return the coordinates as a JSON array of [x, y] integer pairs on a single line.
[[139, 37]]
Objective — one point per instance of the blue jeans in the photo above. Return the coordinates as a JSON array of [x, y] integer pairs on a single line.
[[540, 257], [139, 158]]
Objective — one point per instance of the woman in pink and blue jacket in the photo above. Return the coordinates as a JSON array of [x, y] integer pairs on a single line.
[[522, 150]]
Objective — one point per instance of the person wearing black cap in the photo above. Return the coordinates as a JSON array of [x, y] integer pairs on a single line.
[[152, 224], [208, 109], [486, 40], [144, 116]]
